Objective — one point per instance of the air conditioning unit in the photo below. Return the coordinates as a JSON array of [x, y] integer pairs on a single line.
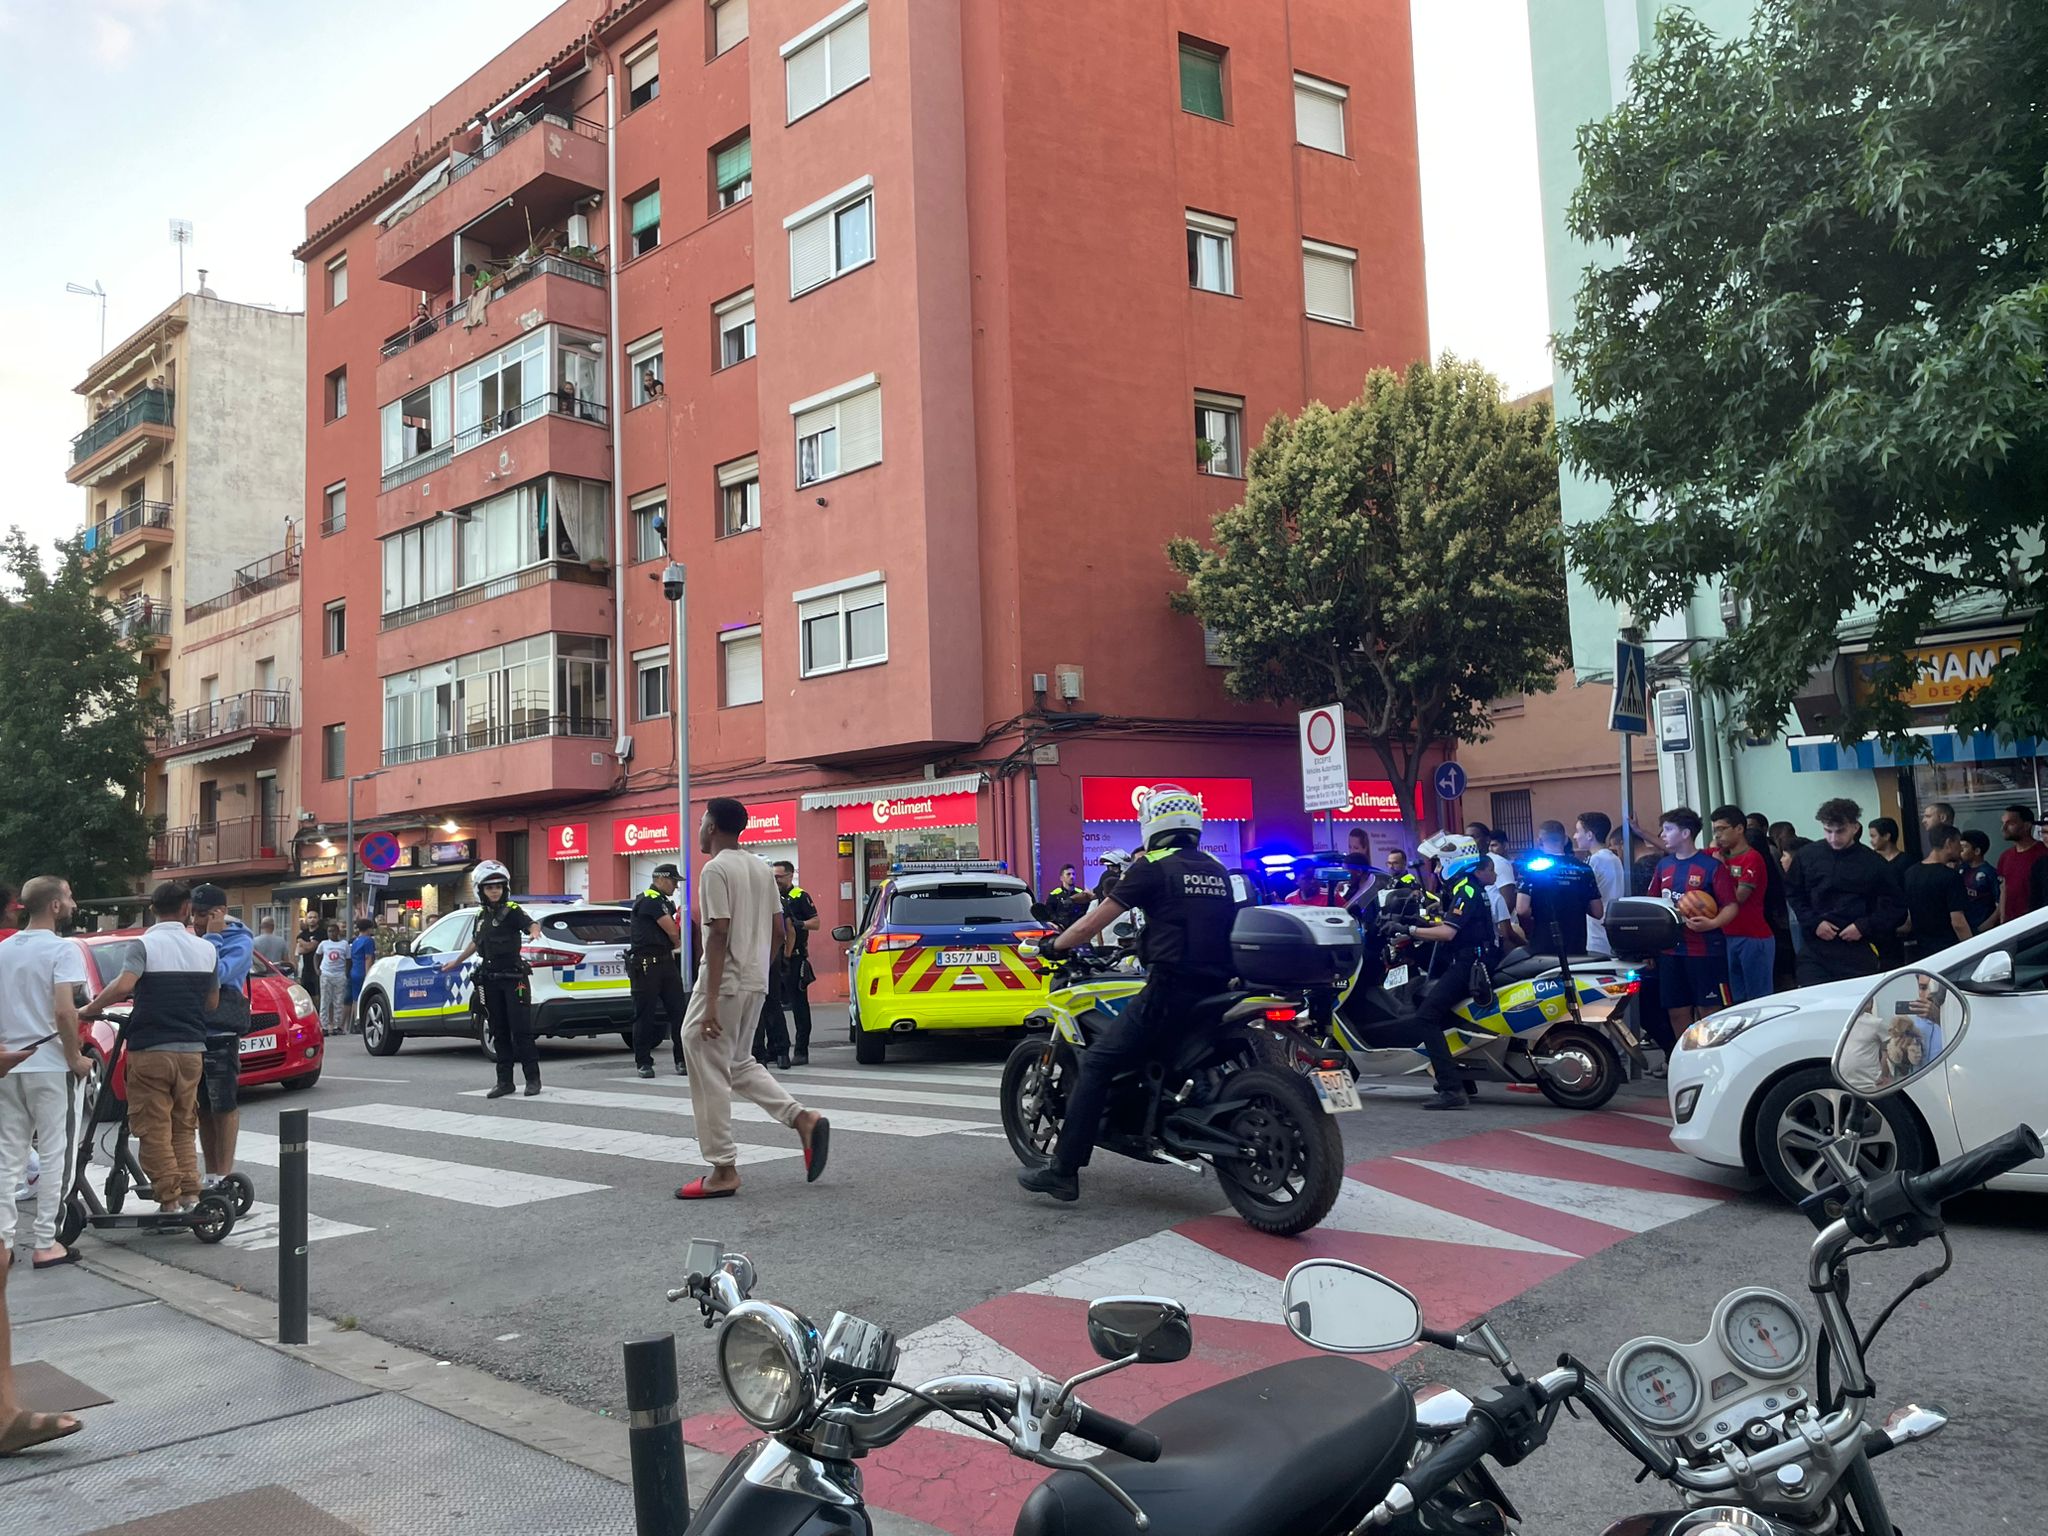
[[579, 229], [623, 749]]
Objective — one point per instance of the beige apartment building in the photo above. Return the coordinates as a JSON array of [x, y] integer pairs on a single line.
[[193, 464]]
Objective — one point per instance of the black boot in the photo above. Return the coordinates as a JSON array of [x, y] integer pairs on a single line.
[[1050, 1179], [782, 1061], [800, 1059], [532, 1086], [1452, 1098], [499, 1091], [646, 1071]]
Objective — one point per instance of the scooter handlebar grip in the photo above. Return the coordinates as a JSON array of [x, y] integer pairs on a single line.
[[1456, 1456], [1980, 1165], [1113, 1434]]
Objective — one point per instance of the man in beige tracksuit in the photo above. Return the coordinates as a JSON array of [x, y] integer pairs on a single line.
[[740, 911]]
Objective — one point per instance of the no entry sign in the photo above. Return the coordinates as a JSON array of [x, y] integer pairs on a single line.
[[1325, 760]]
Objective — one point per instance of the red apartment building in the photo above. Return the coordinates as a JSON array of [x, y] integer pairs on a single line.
[[923, 325]]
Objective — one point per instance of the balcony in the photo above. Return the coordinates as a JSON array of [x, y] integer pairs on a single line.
[[147, 413], [145, 619], [532, 762], [264, 575], [483, 738], [561, 403], [241, 844], [466, 309], [139, 522], [580, 573], [498, 194], [223, 727]]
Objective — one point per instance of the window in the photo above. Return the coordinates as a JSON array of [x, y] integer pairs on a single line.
[[825, 60], [735, 317], [337, 394], [556, 518], [1219, 434], [1212, 253], [1319, 114], [496, 393], [419, 564], [732, 171], [416, 425], [1513, 817], [337, 282], [1214, 652], [739, 667], [844, 625], [1328, 282], [839, 431], [334, 516], [649, 509], [650, 683], [832, 236], [1201, 79], [334, 626], [728, 24], [643, 221], [643, 74], [545, 685], [644, 368], [739, 496], [334, 751]]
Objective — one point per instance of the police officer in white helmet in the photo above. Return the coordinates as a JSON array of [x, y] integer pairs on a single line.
[[502, 925]]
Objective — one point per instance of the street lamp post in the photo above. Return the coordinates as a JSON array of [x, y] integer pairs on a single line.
[[675, 587], [348, 853]]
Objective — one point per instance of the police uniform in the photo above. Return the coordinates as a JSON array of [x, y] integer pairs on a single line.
[[1560, 888], [797, 910], [1067, 903], [501, 983], [1185, 896], [656, 978], [1466, 909]]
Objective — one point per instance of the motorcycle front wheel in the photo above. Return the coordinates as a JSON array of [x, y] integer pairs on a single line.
[[1034, 1095], [1293, 1167]]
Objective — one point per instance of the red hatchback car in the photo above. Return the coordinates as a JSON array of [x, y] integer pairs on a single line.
[[283, 1045]]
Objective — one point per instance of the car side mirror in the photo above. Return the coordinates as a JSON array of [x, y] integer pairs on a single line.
[[1993, 972], [1150, 1330], [1907, 1025], [843, 933]]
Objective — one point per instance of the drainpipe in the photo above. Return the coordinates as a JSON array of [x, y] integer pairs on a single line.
[[620, 561]]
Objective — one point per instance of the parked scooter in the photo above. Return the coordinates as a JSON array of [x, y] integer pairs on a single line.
[[1726, 1420]]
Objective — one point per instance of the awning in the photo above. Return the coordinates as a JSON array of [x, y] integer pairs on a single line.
[[314, 885], [957, 784], [214, 754], [1823, 754], [407, 881]]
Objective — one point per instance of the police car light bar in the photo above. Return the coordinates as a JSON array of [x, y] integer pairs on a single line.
[[950, 867]]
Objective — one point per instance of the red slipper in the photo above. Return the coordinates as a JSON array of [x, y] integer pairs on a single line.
[[695, 1190]]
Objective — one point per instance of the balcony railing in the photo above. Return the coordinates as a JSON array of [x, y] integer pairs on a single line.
[[482, 738], [546, 266], [556, 403], [274, 570], [134, 516], [143, 618], [464, 164], [578, 571], [260, 709], [146, 407], [236, 840]]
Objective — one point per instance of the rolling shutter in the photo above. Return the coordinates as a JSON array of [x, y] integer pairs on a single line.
[[809, 75], [742, 669], [810, 254], [1327, 285], [731, 24], [860, 430], [849, 53], [1319, 115]]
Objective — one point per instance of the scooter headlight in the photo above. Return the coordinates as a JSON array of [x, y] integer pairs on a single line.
[[768, 1361]]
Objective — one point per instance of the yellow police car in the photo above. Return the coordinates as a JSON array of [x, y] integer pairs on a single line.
[[936, 952]]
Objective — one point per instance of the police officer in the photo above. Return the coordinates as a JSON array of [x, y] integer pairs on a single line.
[[1068, 899], [799, 922], [1555, 894], [1464, 934], [1185, 945], [502, 925], [651, 967]]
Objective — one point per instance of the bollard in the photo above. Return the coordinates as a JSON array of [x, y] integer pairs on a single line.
[[661, 1485], [291, 1227]]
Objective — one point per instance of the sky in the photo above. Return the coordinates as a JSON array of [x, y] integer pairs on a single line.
[[126, 114]]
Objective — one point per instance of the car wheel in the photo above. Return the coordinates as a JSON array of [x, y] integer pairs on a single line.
[[870, 1047], [1809, 1108], [484, 1042], [301, 1084], [380, 1035]]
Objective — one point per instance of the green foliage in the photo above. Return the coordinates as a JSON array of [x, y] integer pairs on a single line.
[[1398, 555], [1814, 371], [74, 725]]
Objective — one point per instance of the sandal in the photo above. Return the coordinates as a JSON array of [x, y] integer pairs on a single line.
[[29, 1429], [817, 1150], [69, 1256], [696, 1190]]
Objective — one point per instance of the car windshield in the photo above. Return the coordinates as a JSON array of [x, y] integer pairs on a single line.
[[111, 955], [589, 925], [960, 906]]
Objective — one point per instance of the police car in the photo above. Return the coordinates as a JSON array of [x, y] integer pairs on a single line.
[[578, 983], [936, 952]]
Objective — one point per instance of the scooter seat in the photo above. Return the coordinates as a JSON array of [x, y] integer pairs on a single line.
[[1306, 1446], [1521, 964]]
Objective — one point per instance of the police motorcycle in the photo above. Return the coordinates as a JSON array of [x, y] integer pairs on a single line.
[[1728, 1419]]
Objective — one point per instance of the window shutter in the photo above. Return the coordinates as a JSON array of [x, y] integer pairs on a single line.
[[849, 53], [743, 670], [640, 70], [735, 164], [1327, 286], [740, 470], [809, 73], [731, 24], [860, 430], [1201, 83], [647, 211], [1318, 118], [811, 423], [810, 254]]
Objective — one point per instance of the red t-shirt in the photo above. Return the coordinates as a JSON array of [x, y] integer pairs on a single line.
[[2016, 869], [1747, 868]]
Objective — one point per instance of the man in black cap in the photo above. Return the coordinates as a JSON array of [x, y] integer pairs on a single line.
[[651, 968], [220, 1115]]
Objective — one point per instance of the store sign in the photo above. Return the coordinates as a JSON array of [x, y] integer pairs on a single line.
[[1373, 800], [463, 852], [773, 822], [1119, 799], [322, 864], [569, 842], [961, 810], [645, 834], [1944, 674]]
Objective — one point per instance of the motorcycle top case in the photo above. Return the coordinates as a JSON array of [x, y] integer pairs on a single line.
[[1641, 927], [1294, 946]]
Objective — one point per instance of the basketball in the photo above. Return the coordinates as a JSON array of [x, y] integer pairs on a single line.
[[1698, 904]]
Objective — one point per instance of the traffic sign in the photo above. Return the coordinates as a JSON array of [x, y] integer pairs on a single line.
[[1450, 781], [379, 850], [1630, 711], [375, 877], [1674, 720], [1325, 760]]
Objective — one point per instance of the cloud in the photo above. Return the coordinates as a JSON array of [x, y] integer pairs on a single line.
[[112, 39]]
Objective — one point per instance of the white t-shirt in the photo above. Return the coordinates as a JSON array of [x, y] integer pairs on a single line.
[[1607, 874], [333, 957], [32, 965], [1503, 872], [740, 888]]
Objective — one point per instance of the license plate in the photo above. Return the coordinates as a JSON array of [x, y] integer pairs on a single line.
[[968, 957], [1337, 1092], [251, 1044], [1397, 977], [609, 970]]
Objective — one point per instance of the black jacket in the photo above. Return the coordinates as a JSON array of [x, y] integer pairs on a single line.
[[1843, 886]]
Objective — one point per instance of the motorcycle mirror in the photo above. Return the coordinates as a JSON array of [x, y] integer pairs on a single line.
[[1348, 1310], [1153, 1330], [1905, 1027]]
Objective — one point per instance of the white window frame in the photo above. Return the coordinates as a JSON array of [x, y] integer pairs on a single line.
[[833, 399], [1212, 226], [721, 10], [440, 424], [819, 47], [1328, 91], [337, 281], [654, 659], [638, 355], [1233, 450], [727, 318], [802, 227], [646, 505], [334, 615], [732, 637], [647, 52], [732, 476], [842, 598], [1314, 250]]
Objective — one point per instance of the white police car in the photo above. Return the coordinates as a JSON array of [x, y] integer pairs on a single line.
[[579, 980]]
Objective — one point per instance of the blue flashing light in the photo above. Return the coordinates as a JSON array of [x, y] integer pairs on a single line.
[[1276, 860], [1540, 863]]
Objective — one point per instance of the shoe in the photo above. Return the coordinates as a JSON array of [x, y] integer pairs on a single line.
[[645, 1071], [1442, 1100], [1048, 1180], [800, 1059], [782, 1061], [682, 1069], [498, 1091], [532, 1087]]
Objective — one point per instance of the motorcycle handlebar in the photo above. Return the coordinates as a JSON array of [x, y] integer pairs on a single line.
[[1960, 1175], [1453, 1458], [1113, 1434]]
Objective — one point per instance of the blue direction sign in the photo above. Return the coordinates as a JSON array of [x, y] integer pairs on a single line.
[[379, 850], [1630, 711], [1450, 781]]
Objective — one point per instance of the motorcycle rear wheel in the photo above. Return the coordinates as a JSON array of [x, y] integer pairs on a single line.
[[1035, 1082], [1589, 1055], [1296, 1169]]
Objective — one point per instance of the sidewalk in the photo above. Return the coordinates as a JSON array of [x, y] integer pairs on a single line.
[[195, 1425]]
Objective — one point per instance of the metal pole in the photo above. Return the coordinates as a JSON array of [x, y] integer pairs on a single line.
[[683, 829], [348, 865], [654, 1436], [291, 1226], [1628, 813], [1037, 869]]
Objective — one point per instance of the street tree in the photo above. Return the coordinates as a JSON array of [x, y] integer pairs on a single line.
[[1399, 555], [74, 724], [1811, 365]]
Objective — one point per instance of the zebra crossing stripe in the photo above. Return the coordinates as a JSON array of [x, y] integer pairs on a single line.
[[1199, 1278], [955, 1347], [257, 1228], [992, 1081], [1633, 1210], [655, 1104], [600, 1140], [804, 1088], [496, 1188], [1663, 1160]]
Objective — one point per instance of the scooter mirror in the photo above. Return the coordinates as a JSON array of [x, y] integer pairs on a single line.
[[1154, 1329], [1348, 1310], [1905, 1028]]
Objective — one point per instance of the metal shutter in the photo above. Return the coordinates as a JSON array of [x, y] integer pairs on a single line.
[[849, 53], [810, 254], [1318, 119], [1327, 283], [809, 74], [731, 23], [742, 670], [860, 430]]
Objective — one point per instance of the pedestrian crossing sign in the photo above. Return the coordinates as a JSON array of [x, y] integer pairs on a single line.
[[1630, 711]]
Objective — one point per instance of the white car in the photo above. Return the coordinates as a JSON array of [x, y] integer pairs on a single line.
[[578, 983], [1750, 1085]]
